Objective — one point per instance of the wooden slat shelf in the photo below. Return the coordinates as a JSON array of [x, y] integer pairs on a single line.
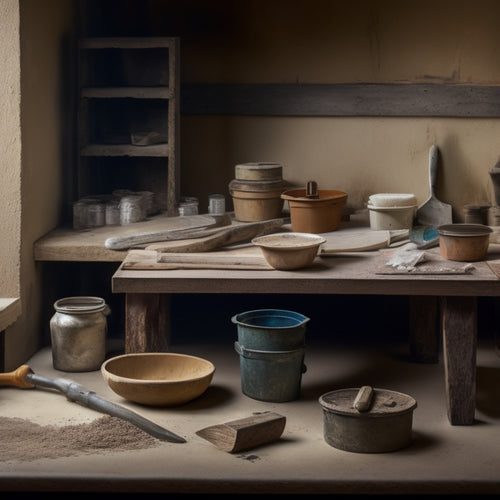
[[87, 245], [126, 43], [154, 150], [10, 310], [127, 92]]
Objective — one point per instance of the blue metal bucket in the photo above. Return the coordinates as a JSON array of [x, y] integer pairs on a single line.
[[271, 347], [271, 329], [273, 376]]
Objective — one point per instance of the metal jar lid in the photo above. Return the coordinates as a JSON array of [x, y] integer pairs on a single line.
[[80, 305], [259, 171], [366, 402]]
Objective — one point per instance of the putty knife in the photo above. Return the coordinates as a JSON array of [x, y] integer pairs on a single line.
[[24, 377], [433, 212]]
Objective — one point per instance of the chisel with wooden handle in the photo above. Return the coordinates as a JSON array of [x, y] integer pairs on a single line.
[[25, 378]]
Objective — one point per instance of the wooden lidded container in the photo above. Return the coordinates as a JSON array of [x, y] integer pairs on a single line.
[[256, 191]]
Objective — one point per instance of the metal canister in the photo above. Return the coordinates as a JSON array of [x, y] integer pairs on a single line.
[[78, 332]]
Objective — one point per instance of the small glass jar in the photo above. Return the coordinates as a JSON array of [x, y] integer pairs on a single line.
[[216, 204], [131, 209], [188, 206]]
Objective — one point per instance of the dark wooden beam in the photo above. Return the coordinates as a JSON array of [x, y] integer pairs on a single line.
[[341, 100]]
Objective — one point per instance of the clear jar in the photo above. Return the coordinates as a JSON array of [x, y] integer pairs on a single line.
[[131, 209], [96, 214], [216, 204], [78, 331], [188, 205], [113, 212]]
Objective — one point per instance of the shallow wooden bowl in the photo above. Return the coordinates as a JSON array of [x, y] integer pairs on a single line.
[[285, 251], [158, 379]]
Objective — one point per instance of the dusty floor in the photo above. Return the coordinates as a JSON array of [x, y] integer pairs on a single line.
[[442, 459]]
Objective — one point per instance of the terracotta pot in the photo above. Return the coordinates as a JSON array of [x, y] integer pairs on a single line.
[[315, 215], [464, 242], [257, 200]]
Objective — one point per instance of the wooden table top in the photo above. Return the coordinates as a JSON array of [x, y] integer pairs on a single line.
[[342, 273]]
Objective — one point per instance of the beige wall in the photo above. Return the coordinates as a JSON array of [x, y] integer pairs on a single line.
[[35, 152], [324, 41]]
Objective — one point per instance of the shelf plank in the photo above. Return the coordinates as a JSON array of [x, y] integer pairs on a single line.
[[363, 99], [10, 310], [87, 245], [153, 150], [127, 92], [127, 42]]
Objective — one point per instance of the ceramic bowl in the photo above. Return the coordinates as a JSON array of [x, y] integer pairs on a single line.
[[285, 251], [464, 242], [158, 379]]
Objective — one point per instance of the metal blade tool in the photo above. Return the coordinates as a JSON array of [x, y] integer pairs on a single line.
[[24, 377]]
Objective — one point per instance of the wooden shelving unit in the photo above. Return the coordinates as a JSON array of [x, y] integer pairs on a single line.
[[129, 89]]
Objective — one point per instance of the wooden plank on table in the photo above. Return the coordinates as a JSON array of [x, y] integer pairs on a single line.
[[144, 260]]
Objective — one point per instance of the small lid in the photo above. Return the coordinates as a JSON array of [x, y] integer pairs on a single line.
[[461, 229], [382, 402], [80, 305], [258, 171], [392, 200]]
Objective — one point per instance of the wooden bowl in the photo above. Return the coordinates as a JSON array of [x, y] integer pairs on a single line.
[[464, 242], [158, 379], [285, 251]]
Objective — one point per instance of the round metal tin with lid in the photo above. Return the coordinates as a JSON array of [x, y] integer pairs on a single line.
[[367, 420]]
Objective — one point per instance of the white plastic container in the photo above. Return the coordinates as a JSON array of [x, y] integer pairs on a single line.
[[391, 211]]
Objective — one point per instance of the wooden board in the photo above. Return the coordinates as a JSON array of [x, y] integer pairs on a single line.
[[219, 237], [359, 239], [245, 433], [87, 245], [144, 260], [192, 225]]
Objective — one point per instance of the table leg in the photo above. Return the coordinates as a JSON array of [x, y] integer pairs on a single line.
[[424, 328], [459, 320], [147, 322]]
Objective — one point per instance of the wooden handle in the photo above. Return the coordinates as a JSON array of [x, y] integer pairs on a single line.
[[433, 166], [363, 400], [16, 378]]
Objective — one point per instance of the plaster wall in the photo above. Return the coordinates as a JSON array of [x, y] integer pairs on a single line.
[[367, 41], [33, 136], [10, 149]]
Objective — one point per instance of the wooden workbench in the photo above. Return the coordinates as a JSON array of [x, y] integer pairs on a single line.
[[452, 296]]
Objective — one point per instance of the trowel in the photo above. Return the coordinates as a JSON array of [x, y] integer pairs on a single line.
[[433, 212], [25, 378]]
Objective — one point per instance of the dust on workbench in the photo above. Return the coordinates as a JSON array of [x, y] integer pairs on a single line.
[[24, 440]]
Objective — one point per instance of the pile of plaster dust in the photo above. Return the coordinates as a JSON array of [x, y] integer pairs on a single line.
[[23, 440]]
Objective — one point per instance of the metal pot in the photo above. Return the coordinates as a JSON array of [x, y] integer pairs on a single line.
[[367, 420]]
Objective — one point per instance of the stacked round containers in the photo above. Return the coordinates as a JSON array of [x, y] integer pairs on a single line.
[[256, 191]]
